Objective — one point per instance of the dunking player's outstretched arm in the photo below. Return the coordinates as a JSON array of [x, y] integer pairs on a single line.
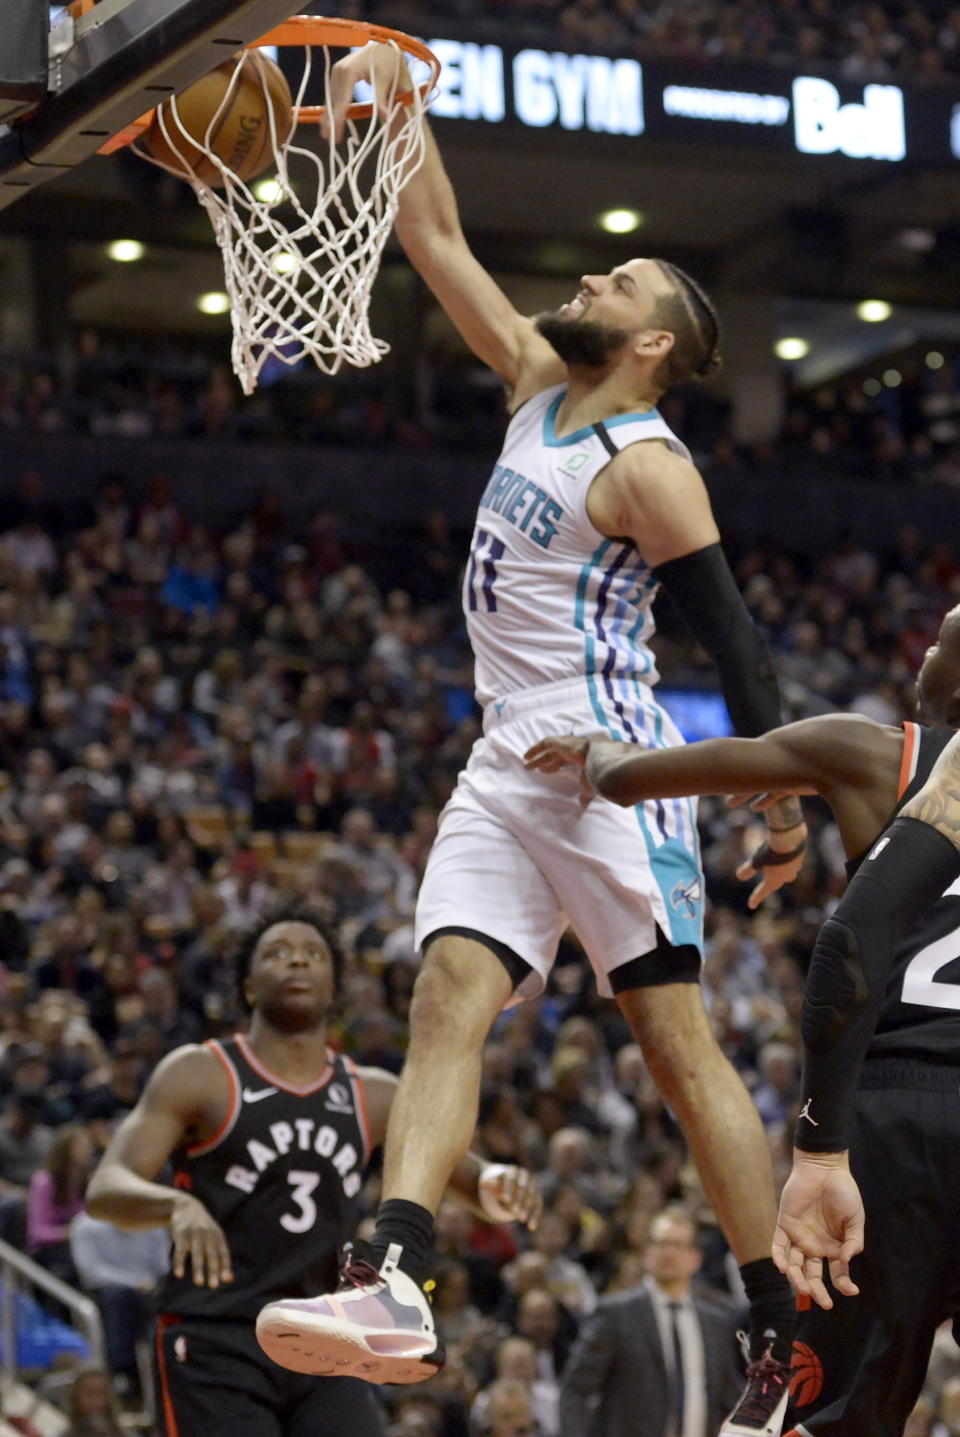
[[428, 227], [185, 1102], [907, 870]]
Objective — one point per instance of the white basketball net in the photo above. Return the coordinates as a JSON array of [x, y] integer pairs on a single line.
[[300, 265]]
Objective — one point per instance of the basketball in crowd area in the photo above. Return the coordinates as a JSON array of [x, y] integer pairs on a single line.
[[235, 127]]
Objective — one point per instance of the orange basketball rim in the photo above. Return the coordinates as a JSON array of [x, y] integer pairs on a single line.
[[320, 31]]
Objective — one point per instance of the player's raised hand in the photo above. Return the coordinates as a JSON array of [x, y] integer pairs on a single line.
[[195, 1235], [382, 66], [510, 1194], [820, 1220]]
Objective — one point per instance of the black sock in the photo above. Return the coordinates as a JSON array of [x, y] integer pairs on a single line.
[[410, 1225], [772, 1309]]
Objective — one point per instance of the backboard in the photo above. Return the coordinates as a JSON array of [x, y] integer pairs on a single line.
[[113, 63]]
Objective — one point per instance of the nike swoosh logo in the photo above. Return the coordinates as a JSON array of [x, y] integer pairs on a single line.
[[249, 1096]]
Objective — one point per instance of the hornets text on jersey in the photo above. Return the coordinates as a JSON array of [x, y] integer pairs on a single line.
[[920, 1020], [546, 596], [281, 1176]]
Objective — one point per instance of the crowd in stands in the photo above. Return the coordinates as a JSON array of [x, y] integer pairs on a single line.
[[196, 726], [860, 40], [104, 389]]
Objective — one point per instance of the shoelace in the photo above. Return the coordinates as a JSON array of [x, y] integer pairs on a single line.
[[357, 1272], [755, 1405]]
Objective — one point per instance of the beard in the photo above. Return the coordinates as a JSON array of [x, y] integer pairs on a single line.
[[581, 343]]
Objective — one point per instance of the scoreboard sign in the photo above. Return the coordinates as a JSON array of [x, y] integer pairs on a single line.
[[731, 105]]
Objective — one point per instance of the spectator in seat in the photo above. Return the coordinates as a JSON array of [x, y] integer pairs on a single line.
[[119, 1094], [510, 1410], [24, 1144], [93, 1409], [516, 1361], [659, 1359], [120, 1270], [55, 1197]]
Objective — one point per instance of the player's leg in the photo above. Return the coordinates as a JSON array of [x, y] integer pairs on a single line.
[[480, 889], [860, 1367], [719, 1119], [379, 1326], [631, 883], [462, 986], [335, 1407], [727, 1141], [209, 1382]]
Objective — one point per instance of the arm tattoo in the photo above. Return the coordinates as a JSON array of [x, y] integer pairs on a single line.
[[938, 802]]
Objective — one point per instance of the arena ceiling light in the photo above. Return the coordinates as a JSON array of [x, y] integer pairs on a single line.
[[892, 378], [917, 239], [285, 262], [213, 302], [620, 222], [791, 348], [934, 360], [125, 251], [874, 310]]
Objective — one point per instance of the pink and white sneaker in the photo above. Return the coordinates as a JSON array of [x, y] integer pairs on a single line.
[[377, 1326]]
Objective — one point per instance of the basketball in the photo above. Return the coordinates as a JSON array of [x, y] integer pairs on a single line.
[[238, 126], [806, 1381]]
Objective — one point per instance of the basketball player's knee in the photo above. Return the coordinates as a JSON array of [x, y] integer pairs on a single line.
[[443, 1001], [836, 989]]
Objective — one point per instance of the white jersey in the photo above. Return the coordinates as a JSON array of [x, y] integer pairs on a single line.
[[546, 596]]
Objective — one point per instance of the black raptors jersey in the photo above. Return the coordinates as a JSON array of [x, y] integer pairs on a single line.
[[281, 1176], [920, 1020]]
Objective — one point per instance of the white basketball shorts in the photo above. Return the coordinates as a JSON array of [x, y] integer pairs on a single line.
[[519, 855]]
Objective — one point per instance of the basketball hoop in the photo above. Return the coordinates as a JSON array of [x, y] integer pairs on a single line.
[[300, 264]]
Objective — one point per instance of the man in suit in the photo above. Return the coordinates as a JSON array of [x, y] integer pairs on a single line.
[[660, 1359]]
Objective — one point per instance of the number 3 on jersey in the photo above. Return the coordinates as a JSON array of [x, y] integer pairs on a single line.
[[303, 1185], [482, 573], [920, 984]]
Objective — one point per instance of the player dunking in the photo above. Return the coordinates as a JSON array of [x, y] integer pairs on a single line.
[[879, 988], [269, 1135], [594, 502]]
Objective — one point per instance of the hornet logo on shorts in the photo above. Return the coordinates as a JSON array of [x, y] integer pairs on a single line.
[[685, 897]]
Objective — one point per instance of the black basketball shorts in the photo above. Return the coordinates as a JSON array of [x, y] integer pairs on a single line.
[[859, 1369], [213, 1380]]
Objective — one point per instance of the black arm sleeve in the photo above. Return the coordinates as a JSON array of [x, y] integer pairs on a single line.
[[906, 872], [703, 589]]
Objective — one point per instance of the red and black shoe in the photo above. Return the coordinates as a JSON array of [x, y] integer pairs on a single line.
[[377, 1325], [763, 1406]]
